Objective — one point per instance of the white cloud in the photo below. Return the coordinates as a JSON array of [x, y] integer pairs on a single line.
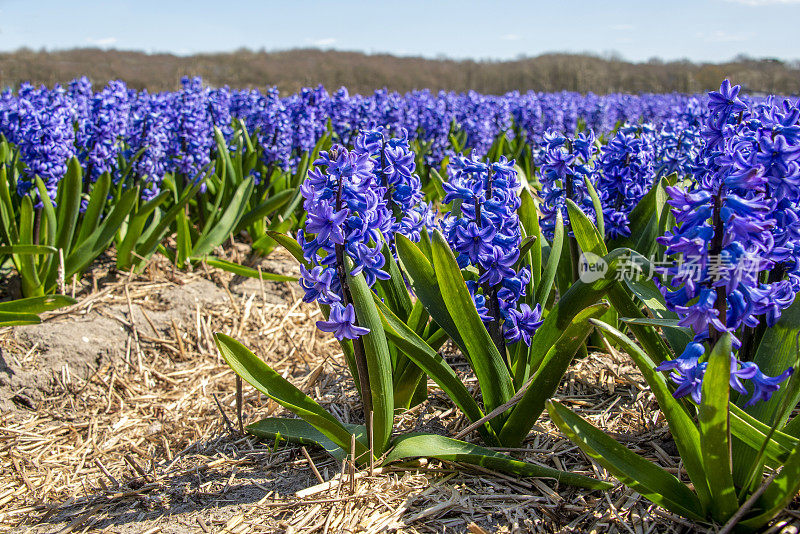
[[104, 41], [622, 27], [760, 3], [326, 41], [511, 37], [720, 36]]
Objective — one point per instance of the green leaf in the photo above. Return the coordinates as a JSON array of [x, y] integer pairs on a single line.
[[69, 203], [779, 494], [776, 352], [227, 221], [681, 425], [395, 287], [640, 475], [597, 205], [434, 365], [753, 433], [490, 369], [529, 219], [551, 267], [242, 270], [18, 319], [586, 234], [261, 376], [379, 363], [94, 211], [49, 222], [292, 246], [646, 291], [266, 207], [98, 241], [26, 264], [423, 280], [661, 323], [135, 230], [452, 450], [147, 247], [713, 420], [300, 432], [36, 305], [577, 298], [548, 376], [23, 250]]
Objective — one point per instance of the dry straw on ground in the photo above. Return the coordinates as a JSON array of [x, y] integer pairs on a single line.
[[120, 416]]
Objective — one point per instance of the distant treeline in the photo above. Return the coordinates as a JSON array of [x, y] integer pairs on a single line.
[[363, 73]]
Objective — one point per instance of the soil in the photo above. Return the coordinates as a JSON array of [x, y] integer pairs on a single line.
[[118, 415]]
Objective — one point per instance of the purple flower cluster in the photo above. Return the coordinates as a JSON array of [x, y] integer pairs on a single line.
[[486, 234], [45, 136], [729, 274], [565, 163], [394, 168], [105, 129], [193, 138], [625, 176], [348, 216]]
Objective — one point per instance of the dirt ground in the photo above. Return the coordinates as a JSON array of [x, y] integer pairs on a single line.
[[118, 415]]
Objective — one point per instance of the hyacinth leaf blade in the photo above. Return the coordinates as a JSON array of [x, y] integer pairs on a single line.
[[551, 266], [643, 213], [25, 311], [646, 334], [579, 296], [379, 363], [754, 433], [18, 319], [226, 223], [301, 432], [84, 253], [147, 247], [394, 288], [262, 377], [96, 207], [292, 247], [679, 420], [26, 264], [713, 423], [487, 362], [776, 351], [453, 450], [545, 381], [266, 244], [49, 222], [23, 250], [242, 270], [647, 292], [135, 230], [423, 281], [422, 354], [639, 474], [655, 227], [779, 493], [264, 208], [597, 205], [586, 233], [7, 218], [529, 219], [69, 203]]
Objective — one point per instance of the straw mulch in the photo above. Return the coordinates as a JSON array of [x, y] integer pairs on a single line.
[[148, 439]]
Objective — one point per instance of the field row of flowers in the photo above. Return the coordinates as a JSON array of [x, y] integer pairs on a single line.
[[523, 228]]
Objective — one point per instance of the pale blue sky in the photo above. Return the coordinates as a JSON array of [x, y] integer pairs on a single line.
[[700, 30]]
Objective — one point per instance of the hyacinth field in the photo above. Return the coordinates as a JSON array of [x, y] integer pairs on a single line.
[[240, 311]]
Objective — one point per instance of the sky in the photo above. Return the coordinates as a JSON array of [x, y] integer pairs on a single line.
[[700, 30]]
